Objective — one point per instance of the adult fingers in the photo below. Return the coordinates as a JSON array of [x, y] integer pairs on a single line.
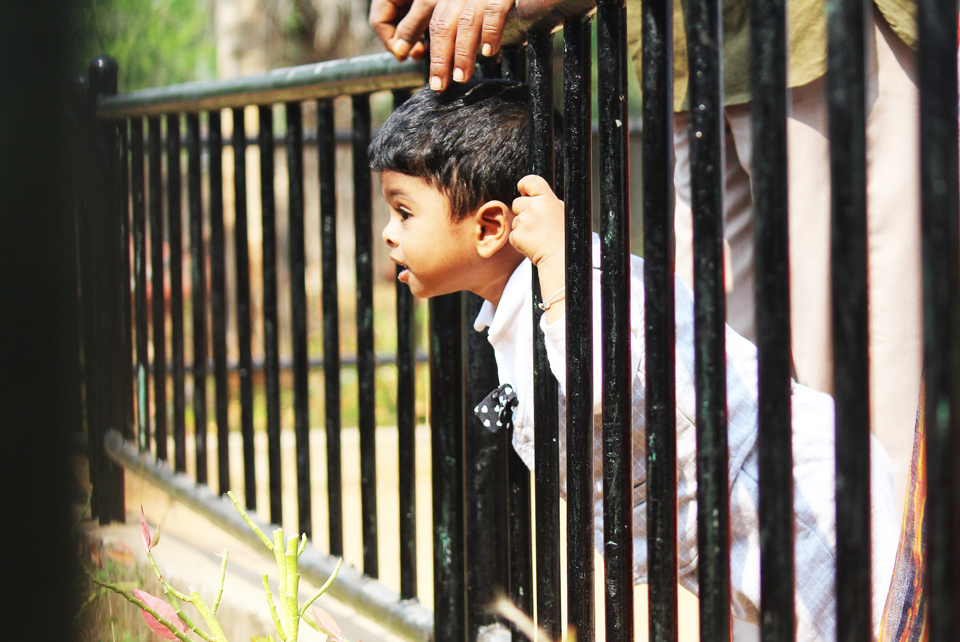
[[384, 16], [443, 40], [412, 27], [469, 25], [533, 185], [494, 19]]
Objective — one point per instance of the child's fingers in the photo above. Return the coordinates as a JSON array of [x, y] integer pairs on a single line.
[[533, 185], [521, 204]]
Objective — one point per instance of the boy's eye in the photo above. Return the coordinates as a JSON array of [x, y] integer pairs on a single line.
[[404, 213]]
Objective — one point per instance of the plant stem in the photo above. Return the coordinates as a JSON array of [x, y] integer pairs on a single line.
[[223, 574], [256, 529], [273, 610], [322, 589]]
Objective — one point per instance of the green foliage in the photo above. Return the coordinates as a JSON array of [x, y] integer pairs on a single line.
[[155, 42]]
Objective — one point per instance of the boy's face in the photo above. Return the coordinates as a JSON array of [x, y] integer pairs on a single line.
[[438, 253]]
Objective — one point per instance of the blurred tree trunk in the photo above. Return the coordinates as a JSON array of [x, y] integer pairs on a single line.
[[257, 35]]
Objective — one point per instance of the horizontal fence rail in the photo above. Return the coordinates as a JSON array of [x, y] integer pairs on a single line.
[[208, 276]]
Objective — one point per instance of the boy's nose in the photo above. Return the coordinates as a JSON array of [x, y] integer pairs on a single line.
[[388, 234]]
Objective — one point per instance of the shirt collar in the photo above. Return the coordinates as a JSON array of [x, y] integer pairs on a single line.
[[515, 294]]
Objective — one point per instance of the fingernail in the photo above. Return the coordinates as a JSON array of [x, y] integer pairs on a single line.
[[487, 49], [458, 75], [435, 83], [401, 48]]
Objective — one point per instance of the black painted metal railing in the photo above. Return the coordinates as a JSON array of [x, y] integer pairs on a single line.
[[485, 539]]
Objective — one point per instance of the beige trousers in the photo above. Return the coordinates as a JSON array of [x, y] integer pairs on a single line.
[[893, 244]]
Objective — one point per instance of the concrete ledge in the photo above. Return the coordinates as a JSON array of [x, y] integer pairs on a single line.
[[367, 598]]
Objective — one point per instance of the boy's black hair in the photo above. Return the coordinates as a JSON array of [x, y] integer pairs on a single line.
[[471, 142]]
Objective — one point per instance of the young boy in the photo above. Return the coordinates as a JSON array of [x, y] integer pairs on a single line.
[[466, 216]]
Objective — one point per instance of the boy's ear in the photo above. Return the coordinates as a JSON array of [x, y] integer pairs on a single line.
[[494, 220]]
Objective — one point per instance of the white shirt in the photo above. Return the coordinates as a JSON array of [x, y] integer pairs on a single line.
[[510, 332]]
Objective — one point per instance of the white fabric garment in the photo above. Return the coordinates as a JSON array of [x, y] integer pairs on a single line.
[[510, 332]]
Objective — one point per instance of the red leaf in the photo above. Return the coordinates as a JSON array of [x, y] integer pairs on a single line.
[[144, 530], [164, 610], [323, 622]]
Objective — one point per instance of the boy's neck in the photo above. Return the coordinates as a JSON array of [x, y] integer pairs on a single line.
[[501, 268]]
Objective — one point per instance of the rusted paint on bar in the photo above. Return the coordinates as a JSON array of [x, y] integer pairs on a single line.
[[659, 318], [579, 323], [615, 318], [546, 437]]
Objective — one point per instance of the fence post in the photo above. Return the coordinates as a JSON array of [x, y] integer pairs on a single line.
[[101, 243], [446, 437], [487, 491]]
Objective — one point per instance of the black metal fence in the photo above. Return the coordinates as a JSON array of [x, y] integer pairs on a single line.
[[484, 541]]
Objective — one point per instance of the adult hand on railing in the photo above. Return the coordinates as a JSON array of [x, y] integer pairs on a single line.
[[458, 30]]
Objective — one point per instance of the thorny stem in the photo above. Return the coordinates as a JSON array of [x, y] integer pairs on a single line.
[[273, 610], [256, 529], [322, 589], [223, 574], [303, 545], [174, 596]]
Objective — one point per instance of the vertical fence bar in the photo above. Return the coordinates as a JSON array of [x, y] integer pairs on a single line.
[[158, 293], [104, 215], [406, 424], [126, 320], [513, 63], [579, 323], [271, 336], [941, 280], [704, 41], [199, 299], [487, 497], [326, 150], [513, 66], [175, 236], [218, 299], [846, 99], [615, 318], [446, 430], [363, 226], [139, 225], [546, 437], [298, 316], [769, 105], [86, 236], [244, 331], [155, 211], [659, 318]]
